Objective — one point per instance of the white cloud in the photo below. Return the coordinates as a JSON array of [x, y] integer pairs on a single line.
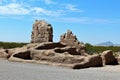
[[49, 2], [19, 9], [38, 10], [72, 7], [13, 9]]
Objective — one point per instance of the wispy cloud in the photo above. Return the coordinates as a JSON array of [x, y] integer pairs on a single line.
[[72, 7], [41, 11], [57, 15], [19, 9], [13, 9]]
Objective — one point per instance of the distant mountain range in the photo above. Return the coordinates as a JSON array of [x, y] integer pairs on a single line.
[[108, 43]]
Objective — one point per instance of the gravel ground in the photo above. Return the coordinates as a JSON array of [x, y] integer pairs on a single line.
[[28, 71]]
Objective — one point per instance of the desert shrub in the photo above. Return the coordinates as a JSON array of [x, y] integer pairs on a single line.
[[7, 45], [91, 49]]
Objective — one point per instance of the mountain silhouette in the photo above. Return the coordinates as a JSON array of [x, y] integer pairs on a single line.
[[108, 43]]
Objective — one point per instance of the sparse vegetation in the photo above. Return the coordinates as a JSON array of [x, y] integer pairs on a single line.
[[7, 45], [99, 49]]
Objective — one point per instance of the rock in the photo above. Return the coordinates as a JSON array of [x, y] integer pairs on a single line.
[[70, 50], [89, 61], [76, 59], [41, 54], [31, 45], [10, 51], [16, 50], [22, 55], [109, 58], [95, 61], [49, 48], [54, 57], [66, 59], [81, 65], [118, 59], [49, 45], [83, 52], [42, 32], [3, 54]]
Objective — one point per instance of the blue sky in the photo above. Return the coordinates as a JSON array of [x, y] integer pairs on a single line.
[[92, 21]]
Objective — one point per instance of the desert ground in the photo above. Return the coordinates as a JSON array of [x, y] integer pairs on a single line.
[[28, 71]]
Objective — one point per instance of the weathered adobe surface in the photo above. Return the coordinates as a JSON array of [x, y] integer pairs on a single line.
[[70, 39], [42, 32], [68, 52], [57, 55]]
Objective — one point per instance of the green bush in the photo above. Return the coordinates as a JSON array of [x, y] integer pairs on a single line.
[[7, 45], [99, 49]]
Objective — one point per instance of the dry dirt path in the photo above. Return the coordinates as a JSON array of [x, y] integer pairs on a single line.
[[27, 71]]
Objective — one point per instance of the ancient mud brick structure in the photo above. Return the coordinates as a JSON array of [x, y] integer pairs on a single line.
[[69, 39], [42, 32]]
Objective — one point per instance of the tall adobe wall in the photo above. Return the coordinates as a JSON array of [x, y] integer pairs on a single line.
[[70, 39], [42, 32]]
